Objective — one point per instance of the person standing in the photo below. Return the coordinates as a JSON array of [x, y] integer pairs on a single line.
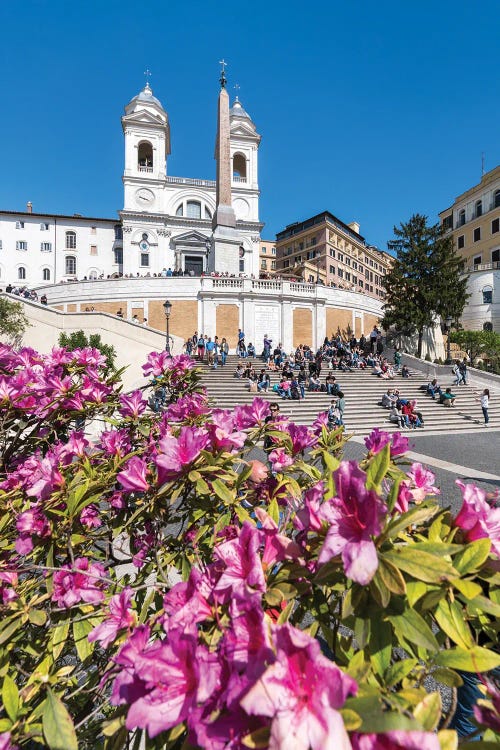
[[485, 403], [224, 351]]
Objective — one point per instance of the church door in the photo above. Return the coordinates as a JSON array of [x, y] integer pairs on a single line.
[[193, 263]]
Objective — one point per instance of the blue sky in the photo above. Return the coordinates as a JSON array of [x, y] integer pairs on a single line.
[[371, 110]]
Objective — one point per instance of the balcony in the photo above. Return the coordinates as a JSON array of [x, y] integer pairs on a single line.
[[484, 267], [239, 179], [145, 169]]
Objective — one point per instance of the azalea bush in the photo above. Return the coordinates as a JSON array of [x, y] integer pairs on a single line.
[[160, 587]]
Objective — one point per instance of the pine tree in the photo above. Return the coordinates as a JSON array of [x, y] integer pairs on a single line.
[[426, 280]]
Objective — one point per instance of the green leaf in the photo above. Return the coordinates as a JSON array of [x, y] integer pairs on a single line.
[[411, 627], [37, 616], [379, 590], [59, 638], [428, 711], [413, 516], [362, 631], [447, 677], [378, 467], [398, 671], [482, 604], [6, 631], [222, 491], [351, 719], [81, 629], [274, 511], [450, 618], [473, 556], [259, 739], [415, 590], [448, 740], [380, 646], [10, 697], [469, 589], [58, 728], [391, 577], [421, 565], [476, 659]]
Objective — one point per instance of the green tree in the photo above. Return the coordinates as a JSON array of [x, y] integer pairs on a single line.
[[13, 321], [426, 279], [78, 340], [477, 343]]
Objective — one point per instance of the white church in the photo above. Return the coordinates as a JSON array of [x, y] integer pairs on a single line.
[[166, 225]]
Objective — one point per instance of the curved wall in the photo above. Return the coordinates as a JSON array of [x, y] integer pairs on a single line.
[[289, 312], [476, 313]]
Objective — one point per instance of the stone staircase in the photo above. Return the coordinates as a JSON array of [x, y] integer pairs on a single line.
[[362, 391]]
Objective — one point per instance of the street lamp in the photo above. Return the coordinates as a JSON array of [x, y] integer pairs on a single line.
[[448, 323], [167, 306], [208, 247]]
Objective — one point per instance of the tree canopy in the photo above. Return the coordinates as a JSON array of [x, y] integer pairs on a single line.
[[13, 321], [426, 279], [78, 340], [477, 343]]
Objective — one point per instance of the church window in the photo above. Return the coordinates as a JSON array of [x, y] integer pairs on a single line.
[[1, 246], [118, 251], [22, 245], [19, 224], [93, 249], [242, 265], [180, 210], [70, 240], [145, 259], [144, 243], [21, 273], [145, 157], [44, 227], [46, 274], [46, 247], [208, 215], [239, 168], [118, 232], [70, 265], [193, 210]]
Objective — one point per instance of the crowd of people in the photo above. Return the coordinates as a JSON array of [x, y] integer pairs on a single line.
[[23, 291]]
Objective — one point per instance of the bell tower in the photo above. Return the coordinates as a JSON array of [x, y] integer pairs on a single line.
[[244, 152]]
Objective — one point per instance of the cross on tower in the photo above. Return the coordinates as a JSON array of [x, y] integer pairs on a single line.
[[223, 78], [236, 87], [147, 73]]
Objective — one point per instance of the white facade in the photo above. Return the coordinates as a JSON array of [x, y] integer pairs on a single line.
[[166, 221], [482, 311]]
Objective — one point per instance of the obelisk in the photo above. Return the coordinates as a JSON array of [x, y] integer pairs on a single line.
[[224, 256]]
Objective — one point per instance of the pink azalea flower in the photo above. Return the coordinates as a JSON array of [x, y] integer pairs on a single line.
[[421, 482], [133, 476], [309, 517], [376, 440], [77, 445], [396, 740], [188, 406], [242, 572], [320, 422], [301, 693], [277, 547], [162, 681], [31, 523], [222, 432], [259, 410], [354, 515], [178, 452], [132, 404], [120, 616], [247, 645], [7, 391], [45, 479], [476, 518], [243, 417], [80, 582], [185, 605], [115, 442], [399, 444], [489, 717], [94, 391], [302, 437], [8, 579], [158, 363], [5, 743], [280, 459], [89, 517]]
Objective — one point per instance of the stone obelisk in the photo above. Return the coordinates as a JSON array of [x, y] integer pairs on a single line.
[[224, 256]]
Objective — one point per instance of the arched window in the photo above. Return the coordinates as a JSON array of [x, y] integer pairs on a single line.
[[479, 208], [487, 326], [239, 168], [46, 274], [487, 295], [70, 265], [145, 157], [118, 251], [118, 232], [21, 273], [70, 240], [208, 215], [93, 274], [180, 210], [461, 218], [496, 199], [193, 210]]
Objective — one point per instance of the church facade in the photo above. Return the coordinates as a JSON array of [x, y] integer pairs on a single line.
[[167, 222]]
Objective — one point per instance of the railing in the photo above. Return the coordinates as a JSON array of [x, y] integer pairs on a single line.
[[145, 169], [274, 286], [227, 283], [239, 179], [190, 181], [485, 267], [296, 287]]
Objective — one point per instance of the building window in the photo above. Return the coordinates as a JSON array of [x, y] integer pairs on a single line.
[[487, 296], [263, 264], [145, 259], [286, 264], [19, 224], [239, 168], [495, 226], [70, 265], [1, 246], [21, 245], [193, 210], [477, 260], [93, 230], [70, 240], [242, 265], [479, 208], [46, 247], [180, 210], [461, 218], [332, 253], [332, 270], [496, 199], [448, 222], [273, 251], [145, 157], [487, 326], [208, 215], [21, 273], [477, 234], [273, 265], [46, 274], [495, 256], [461, 241], [118, 232], [93, 249], [44, 227], [263, 250], [313, 240], [118, 252], [340, 273]]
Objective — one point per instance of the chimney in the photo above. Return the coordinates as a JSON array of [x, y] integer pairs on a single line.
[[354, 226], [29, 207]]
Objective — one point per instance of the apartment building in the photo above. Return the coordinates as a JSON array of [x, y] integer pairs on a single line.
[[267, 258], [325, 250]]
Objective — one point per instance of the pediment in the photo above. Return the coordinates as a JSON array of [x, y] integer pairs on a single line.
[[241, 129], [190, 238], [143, 116]]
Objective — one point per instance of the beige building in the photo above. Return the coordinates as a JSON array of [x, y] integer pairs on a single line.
[[326, 250], [267, 258], [474, 221]]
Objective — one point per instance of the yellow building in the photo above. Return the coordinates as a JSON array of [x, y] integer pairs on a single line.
[[267, 258], [474, 220], [325, 249]]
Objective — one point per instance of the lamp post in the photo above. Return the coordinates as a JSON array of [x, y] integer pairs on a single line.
[[448, 323], [167, 306], [208, 247]]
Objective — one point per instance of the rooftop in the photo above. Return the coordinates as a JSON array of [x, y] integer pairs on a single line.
[[57, 216]]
